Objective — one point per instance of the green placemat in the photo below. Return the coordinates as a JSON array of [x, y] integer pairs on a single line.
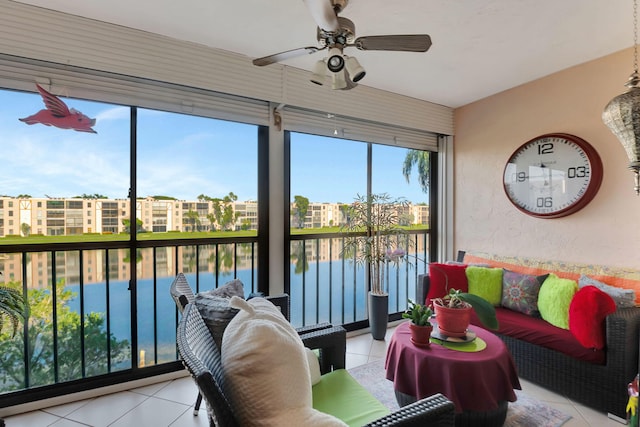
[[477, 344]]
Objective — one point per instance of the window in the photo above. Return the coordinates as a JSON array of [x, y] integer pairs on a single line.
[[326, 175]]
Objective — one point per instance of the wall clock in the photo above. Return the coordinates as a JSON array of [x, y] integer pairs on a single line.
[[552, 175]]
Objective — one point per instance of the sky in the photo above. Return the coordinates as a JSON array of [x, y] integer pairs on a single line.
[[178, 155]]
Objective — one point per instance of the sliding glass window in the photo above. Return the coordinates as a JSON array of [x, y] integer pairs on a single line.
[[326, 176]]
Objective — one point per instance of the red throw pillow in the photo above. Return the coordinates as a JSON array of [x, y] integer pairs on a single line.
[[443, 277], [587, 312]]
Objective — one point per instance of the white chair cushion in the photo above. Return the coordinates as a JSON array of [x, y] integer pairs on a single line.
[[266, 369]]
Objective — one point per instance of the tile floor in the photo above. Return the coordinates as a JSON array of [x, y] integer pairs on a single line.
[[170, 403]]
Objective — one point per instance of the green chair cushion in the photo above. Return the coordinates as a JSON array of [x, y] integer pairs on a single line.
[[340, 395]]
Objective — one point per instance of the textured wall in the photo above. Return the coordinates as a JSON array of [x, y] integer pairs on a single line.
[[487, 132]]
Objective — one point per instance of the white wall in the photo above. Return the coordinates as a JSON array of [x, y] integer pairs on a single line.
[[487, 132]]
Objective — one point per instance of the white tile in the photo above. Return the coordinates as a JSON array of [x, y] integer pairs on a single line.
[[353, 360], [65, 422], [373, 358], [378, 348], [188, 420], [31, 419], [104, 410], [596, 418], [67, 408], [360, 344], [151, 389], [182, 390], [152, 412]]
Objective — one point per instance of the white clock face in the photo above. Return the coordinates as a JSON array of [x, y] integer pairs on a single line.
[[550, 176]]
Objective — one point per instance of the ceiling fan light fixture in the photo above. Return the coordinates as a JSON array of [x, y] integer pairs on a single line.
[[355, 70], [335, 61], [319, 73], [338, 80]]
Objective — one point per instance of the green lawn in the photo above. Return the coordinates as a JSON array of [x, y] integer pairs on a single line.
[[18, 240], [173, 235]]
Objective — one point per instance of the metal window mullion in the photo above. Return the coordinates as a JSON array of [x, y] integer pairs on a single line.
[[25, 327], [317, 280], [197, 267], [155, 305], [217, 261], [330, 279], [235, 259], [253, 266], [133, 237], [304, 282], [54, 314], [83, 360], [343, 273], [107, 294]]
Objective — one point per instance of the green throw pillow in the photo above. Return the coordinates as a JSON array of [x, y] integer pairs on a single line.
[[555, 298], [485, 282]]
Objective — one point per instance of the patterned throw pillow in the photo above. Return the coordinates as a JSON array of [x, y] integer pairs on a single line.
[[520, 292]]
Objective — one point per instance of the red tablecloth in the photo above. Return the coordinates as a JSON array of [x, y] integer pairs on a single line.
[[472, 381]]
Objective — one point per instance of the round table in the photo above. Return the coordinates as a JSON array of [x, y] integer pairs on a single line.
[[479, 383]]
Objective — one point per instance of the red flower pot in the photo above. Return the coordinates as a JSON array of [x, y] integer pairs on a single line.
[[420, 335], [453, 322]]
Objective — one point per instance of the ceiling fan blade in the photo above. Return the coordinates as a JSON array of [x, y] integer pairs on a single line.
[[403, 43], [282, 56], [322, 12]]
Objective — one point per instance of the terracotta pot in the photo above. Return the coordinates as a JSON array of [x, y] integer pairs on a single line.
[[453, 322], [420, 335]]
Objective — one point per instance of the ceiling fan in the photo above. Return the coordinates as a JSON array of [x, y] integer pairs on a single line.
[[336, 33]]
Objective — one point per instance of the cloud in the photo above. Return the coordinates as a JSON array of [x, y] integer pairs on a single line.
[[115, 113]]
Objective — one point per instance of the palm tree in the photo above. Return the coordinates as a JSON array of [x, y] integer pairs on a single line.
[[420, 159], [12, 306]]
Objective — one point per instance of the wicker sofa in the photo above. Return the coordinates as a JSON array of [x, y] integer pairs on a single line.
[[601, 386]]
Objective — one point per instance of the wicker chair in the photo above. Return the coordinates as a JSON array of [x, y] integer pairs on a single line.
[[334, 353], [202, 358]]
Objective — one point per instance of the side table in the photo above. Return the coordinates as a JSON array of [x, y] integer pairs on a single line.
[[480, 384]]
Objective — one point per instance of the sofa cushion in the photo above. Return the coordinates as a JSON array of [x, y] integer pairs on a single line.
[[622, 297], [266, 369], [554, 299], [540, 332], [443, 277], [587, 313], [213, 306], [485, 282], [520, 291], [340, 395]]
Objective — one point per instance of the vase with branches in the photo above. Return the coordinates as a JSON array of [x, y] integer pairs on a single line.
[[373, 229]]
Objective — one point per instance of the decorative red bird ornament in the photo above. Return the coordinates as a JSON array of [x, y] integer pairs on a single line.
[[59, 115]]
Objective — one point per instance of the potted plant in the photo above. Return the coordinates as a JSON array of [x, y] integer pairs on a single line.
[[420, 325], [453, 312], [13, 307], [373, 230]]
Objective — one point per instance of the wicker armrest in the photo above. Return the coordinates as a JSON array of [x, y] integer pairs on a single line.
[[434, 410], [332, 343], [282, 302], [313, 328], [622, 329]]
